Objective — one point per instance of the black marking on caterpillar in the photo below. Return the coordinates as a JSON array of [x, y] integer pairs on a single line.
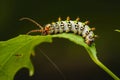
[[77, 27]]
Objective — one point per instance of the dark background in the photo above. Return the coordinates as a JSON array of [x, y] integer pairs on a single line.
[[72, 59]]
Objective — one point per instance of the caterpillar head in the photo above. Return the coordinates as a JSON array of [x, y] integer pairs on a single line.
[[47, 27]]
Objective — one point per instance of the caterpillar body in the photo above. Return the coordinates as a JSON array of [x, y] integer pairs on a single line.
[[76, 27]]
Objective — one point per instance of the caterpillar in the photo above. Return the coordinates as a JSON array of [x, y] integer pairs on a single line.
[[66, 26]]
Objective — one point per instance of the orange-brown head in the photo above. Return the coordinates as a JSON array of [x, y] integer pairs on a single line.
[[47, 27]]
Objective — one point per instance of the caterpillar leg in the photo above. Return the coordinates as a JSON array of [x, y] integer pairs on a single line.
[[88, 42]]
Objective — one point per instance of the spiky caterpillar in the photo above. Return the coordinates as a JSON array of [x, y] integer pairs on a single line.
[[77, 27]]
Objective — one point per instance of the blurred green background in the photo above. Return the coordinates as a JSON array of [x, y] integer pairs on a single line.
[[72, 59]]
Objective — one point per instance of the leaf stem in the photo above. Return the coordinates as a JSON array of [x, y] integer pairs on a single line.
[[101, 65]]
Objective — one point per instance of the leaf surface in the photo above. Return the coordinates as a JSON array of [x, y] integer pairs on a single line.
[[15, 54]]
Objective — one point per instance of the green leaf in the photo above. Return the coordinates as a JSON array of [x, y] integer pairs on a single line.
[[117, 30], [15, 53], [90, 49]]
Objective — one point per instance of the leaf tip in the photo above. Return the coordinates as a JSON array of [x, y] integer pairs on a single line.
[[117, 30]]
